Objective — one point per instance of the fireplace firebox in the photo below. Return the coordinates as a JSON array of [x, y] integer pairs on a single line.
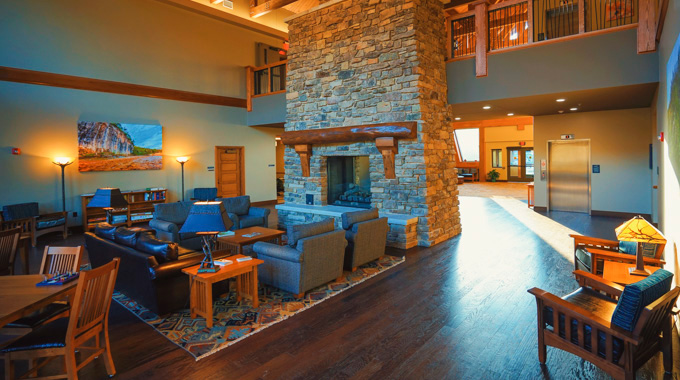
[[349, 181]]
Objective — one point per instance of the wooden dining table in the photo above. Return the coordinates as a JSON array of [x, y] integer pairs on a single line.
[[19, 296]]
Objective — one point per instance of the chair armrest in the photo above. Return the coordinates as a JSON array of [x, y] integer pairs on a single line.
[[259, 211], [163, 225], [616, 256], [234, 219], [278, 251], [60, 214], [583, 316], [580, 240], [598, 283]]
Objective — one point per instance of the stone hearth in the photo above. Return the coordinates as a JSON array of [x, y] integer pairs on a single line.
[[363, 62]]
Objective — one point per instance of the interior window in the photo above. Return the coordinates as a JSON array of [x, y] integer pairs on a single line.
[[496, 158], [467, 141]]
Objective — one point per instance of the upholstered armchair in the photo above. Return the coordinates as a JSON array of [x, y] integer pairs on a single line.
[[28, 215], [366, 235], [167, 220], [590, 253], [243, 215], [205, 194], [618, 333], [313, 256]]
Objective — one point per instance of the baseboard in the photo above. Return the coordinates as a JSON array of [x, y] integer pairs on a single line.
[[264, 203], [616, 214], [540, 209]]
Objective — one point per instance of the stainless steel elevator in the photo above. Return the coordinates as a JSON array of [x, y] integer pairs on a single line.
[[568, 175]]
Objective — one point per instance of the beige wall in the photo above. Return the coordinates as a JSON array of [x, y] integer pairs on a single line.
[[619, 143], [136, 41], [502, 138]]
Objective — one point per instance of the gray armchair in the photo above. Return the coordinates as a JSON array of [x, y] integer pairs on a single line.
[[366, 234], [168, 218], [314, 256], [243, 215]]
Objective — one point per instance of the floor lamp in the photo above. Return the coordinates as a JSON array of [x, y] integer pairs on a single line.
[[63, 162], [182, 160]]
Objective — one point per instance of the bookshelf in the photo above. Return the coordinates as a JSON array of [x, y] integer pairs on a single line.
[[140, 208]]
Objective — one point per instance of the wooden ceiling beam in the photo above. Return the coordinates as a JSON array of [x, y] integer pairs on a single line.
[[268, 6]]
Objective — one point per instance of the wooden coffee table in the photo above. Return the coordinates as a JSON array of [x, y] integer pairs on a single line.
[[237, 241], [201, 285], [618, 272]]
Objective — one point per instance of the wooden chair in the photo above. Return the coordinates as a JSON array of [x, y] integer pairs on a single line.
[[8, 250], [25, 225], [588, 324], [89, 320], [55, 260], [597, 250]]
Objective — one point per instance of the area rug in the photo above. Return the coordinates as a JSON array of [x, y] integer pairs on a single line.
[[236, 320]]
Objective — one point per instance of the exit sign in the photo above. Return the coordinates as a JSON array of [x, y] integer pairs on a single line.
[[567, 137]]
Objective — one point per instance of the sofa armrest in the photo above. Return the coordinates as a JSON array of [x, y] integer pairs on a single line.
[[235, 220], [173, 268], [278, 251], [323, 242], [162, 225], [259, 211]]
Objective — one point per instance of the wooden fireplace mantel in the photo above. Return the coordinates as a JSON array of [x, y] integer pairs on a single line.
[[385, 136]]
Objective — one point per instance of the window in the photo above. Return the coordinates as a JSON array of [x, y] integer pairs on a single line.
[[496, 158], [468, 143]]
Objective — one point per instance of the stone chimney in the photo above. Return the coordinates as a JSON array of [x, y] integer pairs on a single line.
[[360, 62]]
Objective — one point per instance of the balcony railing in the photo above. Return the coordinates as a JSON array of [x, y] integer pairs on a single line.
[[510, 24], [265, 80]]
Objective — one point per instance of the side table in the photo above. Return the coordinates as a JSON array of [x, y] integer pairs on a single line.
[[618, 272]]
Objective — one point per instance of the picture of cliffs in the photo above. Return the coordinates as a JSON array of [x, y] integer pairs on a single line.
[[119, 146]]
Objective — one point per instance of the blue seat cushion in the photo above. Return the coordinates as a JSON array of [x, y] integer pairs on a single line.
[[51, 335], [302, 231], [20, 211], [43, 223], [637, 296], [349, 218], [249, 221]]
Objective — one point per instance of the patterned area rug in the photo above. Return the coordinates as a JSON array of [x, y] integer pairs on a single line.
[[235, 320]]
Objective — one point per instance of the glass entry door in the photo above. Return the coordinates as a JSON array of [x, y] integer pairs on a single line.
[[520, 164]]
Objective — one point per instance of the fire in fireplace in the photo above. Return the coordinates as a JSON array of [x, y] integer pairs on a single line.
[[349, 182]]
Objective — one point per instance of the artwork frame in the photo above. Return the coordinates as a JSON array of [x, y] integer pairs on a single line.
[[105, 146]]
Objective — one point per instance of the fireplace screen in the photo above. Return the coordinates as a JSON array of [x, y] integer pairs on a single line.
[[349, 182]]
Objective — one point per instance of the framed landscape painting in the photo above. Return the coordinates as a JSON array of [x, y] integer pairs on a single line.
[[673, 106], [119, 146]]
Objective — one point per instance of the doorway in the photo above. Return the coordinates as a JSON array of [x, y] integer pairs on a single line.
[[520, 164], [229, 171], [568, 176]]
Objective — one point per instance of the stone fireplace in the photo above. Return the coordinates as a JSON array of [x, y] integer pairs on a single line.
[[366, 78], [349, 181]]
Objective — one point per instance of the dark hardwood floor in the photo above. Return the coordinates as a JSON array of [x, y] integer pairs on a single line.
[[458, 310]]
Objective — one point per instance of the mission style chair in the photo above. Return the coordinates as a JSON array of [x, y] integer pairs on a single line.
[[8, 250], [590, 253], [618, 334], [89, 320], [33, 223]]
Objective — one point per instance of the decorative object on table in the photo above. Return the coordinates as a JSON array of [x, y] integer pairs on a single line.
[[108, 198], [235, 321], [223, 262], [639, 231], [59, 279], [38, 224], [617, 336], [63, 162], [366, 234], [226, 233], [493, 175], [119, 146], [182, 160], [243, 215], [9, 239], [252, 234], [207, 219], [64, 337]]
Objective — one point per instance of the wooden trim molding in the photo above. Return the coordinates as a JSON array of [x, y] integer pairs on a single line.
[[264, 203], [385, 136], [42, 78], [520, 120]]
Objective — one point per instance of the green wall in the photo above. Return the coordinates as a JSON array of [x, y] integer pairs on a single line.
[[136, 41], [606, 60]]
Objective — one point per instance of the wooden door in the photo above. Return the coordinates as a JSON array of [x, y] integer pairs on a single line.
[[229, 171]]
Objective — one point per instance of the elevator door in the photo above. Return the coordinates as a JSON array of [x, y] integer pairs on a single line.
[[568, 186]]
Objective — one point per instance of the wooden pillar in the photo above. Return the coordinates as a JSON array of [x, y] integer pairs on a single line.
[[482, 155], [530, 19], [581, 16], [249, 88], [305, 152], [646, 33], [388, 148], [482, 41]]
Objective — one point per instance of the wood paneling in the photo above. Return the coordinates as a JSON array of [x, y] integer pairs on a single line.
[[482, 32], [268, 6], [229, 171], [10, 74], [646, 33]]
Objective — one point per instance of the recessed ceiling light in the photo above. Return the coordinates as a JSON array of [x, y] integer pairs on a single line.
[[561, 111], [573, 109], [487, 107], [457, 118], [511, 114], [560, 100]]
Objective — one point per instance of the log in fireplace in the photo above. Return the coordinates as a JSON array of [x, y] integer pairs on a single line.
[[349, 182]]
